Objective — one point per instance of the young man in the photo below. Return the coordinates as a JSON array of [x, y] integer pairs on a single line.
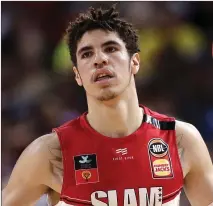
[[118, 153]]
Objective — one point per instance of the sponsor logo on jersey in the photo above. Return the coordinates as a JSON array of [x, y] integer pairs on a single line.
[[122, 151], [121, 154], [161, 167], [86, 175], [133, 197], [158, 148], [160, 160], [84, 159], [86, 169]]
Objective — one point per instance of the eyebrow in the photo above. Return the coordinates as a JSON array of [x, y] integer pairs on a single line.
[[111, 42], [86, 48]]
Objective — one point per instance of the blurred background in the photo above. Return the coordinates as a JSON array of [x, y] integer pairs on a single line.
[[38, 87]]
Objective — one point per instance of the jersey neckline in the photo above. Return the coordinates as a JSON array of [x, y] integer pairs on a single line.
[[86, 126]]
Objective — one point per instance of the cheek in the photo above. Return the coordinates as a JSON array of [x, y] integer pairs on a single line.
[[85, 75], [85, 69], [121, 63], [122, 58]]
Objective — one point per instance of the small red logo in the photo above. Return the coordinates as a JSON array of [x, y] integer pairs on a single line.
[[86, 176]]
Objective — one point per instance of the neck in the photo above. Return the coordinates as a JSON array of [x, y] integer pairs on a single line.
[[118, 117]]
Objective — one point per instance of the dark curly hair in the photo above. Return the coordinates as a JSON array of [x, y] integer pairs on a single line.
[[101, 19]]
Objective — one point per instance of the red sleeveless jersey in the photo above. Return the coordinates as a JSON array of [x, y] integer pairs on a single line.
[[142, 169]]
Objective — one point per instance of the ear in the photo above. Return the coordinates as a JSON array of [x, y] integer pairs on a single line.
[[77, 76], [135, 63]]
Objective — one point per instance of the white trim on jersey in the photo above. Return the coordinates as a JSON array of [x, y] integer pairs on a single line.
[[174, 202], [172, 192], [61, 203]]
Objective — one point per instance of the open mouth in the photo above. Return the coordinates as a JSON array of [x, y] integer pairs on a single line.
[[102, 77]]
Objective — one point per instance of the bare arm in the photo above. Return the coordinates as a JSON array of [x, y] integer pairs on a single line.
[[31, 176], [197, 164]]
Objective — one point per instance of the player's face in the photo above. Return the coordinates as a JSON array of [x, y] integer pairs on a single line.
[[104, 67]]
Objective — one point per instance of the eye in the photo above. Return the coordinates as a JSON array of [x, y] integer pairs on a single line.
[[111, 49], [86, 55]]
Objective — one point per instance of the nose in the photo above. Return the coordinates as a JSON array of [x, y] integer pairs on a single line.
[[100, 60]]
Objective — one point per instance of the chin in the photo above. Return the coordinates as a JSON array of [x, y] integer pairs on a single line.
[[107, 96]]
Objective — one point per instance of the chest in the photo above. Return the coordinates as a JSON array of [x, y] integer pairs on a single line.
[[130, 172]]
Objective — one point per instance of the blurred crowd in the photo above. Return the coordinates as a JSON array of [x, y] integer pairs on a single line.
[[38, 87]]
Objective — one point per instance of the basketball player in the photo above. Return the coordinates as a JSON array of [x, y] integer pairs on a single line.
[[118, 153]]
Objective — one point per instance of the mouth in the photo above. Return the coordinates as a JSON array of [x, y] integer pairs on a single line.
[[103, 75]]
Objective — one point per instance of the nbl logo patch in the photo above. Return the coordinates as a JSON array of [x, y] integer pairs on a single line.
[[160, 160], [158, 148], [86, 169]]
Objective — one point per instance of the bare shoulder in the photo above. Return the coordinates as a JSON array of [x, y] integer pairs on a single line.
[[185, 127], [37, 155], [40, 148], [54, 157], [190, 145], [187, 134], [51, 151], [196, 164], [48, 140], [32, 175]]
